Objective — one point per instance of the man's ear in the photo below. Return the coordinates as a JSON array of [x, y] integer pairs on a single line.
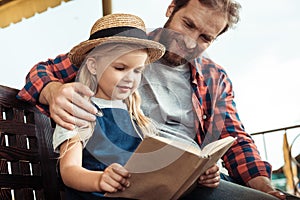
[[91, 65], [170, 9]]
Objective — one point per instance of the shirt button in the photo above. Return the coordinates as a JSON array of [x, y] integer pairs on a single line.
[[204, 117]]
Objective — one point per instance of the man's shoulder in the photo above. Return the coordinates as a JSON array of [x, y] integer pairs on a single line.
[[210, 66], [61, 59]]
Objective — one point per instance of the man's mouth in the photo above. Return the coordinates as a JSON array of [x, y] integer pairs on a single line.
[[181, 50]]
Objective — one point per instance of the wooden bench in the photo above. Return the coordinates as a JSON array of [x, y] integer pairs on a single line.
[[27, 161]]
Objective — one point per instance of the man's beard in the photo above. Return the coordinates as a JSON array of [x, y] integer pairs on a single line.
[[172, 59], [172, 40]]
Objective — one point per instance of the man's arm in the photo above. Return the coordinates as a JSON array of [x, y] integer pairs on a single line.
[[45, 86], [59, 69], [243, 160], [264, 184]]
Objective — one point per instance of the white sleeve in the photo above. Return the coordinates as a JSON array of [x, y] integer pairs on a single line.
[[61, 134]]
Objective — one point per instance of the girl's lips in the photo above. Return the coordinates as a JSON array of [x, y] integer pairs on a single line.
[[127, 87], [124, 88]]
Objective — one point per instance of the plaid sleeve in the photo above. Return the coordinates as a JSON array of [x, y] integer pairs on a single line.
[[242, 160], [216, 95], [58, 69]]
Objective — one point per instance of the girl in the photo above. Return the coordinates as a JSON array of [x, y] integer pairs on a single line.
[[112, 61]]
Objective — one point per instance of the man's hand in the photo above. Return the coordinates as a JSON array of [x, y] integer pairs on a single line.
[[264, 184], [211, 177], [67, 104]]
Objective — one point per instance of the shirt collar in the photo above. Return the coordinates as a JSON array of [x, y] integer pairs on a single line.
[[102, 103]]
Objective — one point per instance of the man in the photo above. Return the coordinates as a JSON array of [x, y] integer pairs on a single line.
[[184, 93]]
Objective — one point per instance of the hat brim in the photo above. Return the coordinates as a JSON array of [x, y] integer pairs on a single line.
[[78, 53]]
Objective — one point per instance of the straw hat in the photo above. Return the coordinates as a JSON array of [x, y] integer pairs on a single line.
[[117, 28]]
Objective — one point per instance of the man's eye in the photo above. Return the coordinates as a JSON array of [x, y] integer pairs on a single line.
[[206, 38], [189, 25]]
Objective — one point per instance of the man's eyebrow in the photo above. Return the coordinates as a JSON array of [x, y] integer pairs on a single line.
[[190, 21], [193, 25]]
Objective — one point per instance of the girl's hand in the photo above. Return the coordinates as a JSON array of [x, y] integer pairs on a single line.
[[211, 178], [114, 178]]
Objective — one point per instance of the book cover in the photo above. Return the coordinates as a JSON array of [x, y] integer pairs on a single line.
[[164, 168]]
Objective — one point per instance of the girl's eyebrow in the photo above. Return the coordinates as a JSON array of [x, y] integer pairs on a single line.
[[124, 65], [119, 64]]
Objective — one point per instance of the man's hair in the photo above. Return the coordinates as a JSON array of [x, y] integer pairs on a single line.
[[228, 7]]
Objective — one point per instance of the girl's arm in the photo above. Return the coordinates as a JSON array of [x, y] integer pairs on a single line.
[[113, 178]]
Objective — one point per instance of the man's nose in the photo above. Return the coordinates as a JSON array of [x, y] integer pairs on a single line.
[[190, 42]]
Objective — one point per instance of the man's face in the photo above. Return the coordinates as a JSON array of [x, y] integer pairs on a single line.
[[189, 31]]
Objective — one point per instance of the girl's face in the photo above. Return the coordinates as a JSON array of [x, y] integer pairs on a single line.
[[122, 76]]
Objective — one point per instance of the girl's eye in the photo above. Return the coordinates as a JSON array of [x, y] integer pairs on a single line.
[[119, 68]]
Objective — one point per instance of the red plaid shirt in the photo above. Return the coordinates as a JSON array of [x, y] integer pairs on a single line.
[[218, 118], [213, 103]]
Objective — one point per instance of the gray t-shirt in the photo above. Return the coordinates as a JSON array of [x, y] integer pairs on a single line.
[[166, 98]]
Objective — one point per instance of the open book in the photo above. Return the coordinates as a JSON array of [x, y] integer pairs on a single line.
[[165, 168]]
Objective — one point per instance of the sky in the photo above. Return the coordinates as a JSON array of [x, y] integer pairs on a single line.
[[260, 55]]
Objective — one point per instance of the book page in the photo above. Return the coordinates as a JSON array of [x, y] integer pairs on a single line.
[[186, 144], [168, 167], [159, 167], [210, 154], [215, 146]]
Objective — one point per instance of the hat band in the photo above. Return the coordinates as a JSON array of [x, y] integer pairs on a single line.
[[125, 31]]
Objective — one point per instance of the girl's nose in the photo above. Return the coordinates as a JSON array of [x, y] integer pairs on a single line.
[[129, 76]]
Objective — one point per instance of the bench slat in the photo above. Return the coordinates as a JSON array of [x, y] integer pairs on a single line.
[[17, 128], [27, 161], [15, 154], [18, 181]]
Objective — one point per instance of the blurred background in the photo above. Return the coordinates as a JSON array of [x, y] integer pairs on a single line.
[[261, 56]]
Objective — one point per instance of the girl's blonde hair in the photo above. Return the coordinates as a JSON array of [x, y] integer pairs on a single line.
[[106, 53]]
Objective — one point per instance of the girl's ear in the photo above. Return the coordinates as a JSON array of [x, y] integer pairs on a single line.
[[91, 65], [170, 9]]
